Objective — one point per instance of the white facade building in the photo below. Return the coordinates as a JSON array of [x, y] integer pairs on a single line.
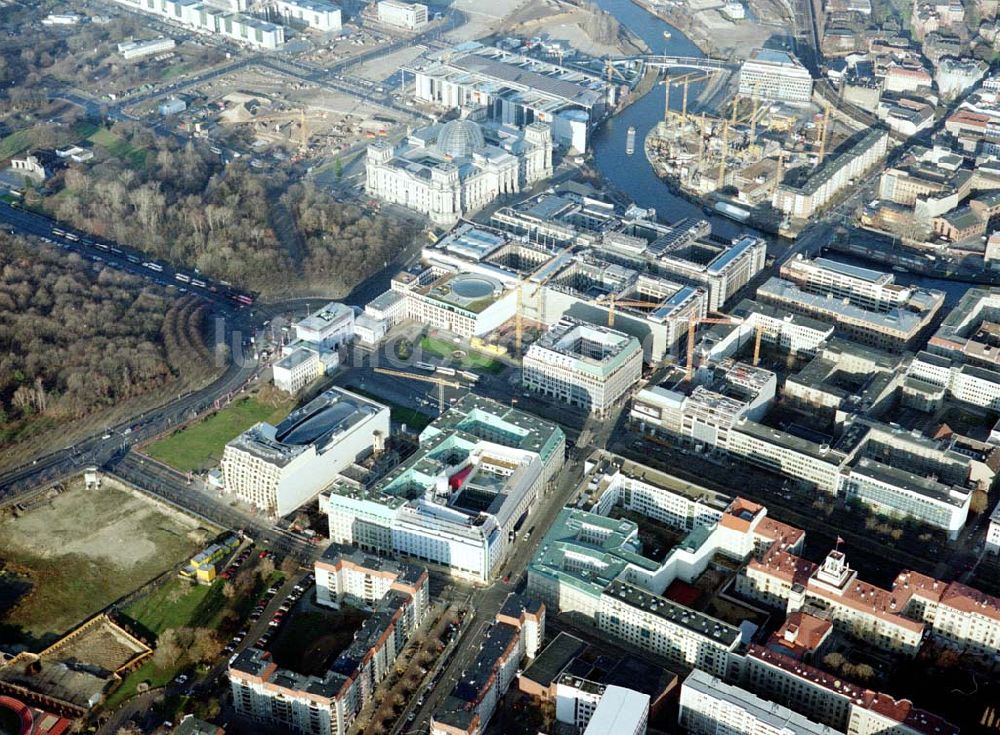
[[412, 16], [317, 15], [448, 171], [328, 327], [131, 50], [621, 711], [710, 706], [278, 468], [895, 492], [205, 18], [721, 396], [775, 75], [458, 500], [993, 533], [295, 371], [583, 365]]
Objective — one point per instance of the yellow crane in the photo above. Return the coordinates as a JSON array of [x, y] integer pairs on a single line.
[[440, 382], [519, 305], [721, 319], [611, 302]]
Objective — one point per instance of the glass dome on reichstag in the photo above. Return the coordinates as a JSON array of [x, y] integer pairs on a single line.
[[460, 138]]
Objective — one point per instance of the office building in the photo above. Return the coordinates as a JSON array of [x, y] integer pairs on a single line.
[[786, 331], [841, 168], [704, 412], [296, 370], [459, 499], [316, 15], [584, 365], [411, 16], [863, 305], [970, 333], [775, 75], [895, 492], [829, 700], [710, 706], [328, 327], [467, 304], [842, 381], [327, 704], [516, 635], [516, 90], [447, 171], [206, 18], [278, 468]]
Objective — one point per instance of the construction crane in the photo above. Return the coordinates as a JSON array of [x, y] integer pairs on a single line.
[[612, 302], [824, 131], [693, 322], [721, 319], [440, 382], [519, 305]]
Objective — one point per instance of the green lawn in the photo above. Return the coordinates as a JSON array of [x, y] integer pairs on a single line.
[[14, 143], [474, 360], [177, 604], [119, 148], [147, 672], [200, 445], [399, 414]]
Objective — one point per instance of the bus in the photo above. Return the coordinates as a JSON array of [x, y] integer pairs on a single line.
[[71, 236], [196, 282], [153, 266], [58, 233], [424, 366], [445, 370], [182, 277], [244, 299], [471, 377]]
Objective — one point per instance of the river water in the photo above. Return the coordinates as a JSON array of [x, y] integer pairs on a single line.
[[633, 175]]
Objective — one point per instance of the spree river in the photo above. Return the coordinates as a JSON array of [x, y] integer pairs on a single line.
[[633, 174]]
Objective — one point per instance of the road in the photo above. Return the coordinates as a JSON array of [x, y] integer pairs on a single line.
[[486, 602]]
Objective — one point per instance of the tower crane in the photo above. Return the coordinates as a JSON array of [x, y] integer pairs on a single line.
[[519, 306], [611, 302], [440, 382]]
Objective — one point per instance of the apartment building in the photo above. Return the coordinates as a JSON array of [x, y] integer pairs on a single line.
[[770, 74], [348, 576], [620, 711], [993, 532], [588, 366], [278, 468], [411, 16], [515, 635], [837, 172], [456, 501], [327, 704], [709, 706]]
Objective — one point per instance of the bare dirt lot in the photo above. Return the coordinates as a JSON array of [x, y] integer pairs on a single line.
[[84, 549]]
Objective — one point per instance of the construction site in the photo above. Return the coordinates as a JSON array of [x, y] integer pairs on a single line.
[[735, 157]]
